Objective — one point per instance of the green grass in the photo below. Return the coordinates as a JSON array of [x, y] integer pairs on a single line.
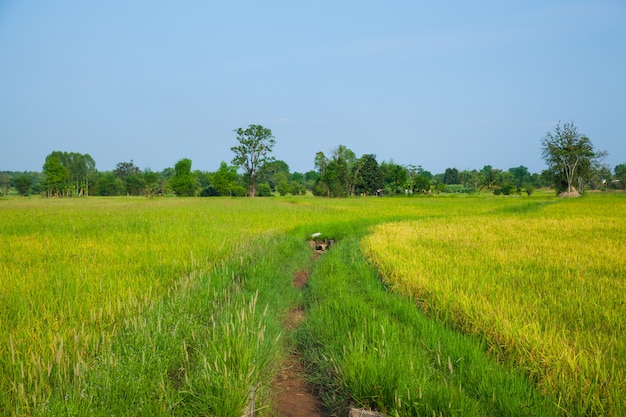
[[131, 306], [375, 350], [76, 273]]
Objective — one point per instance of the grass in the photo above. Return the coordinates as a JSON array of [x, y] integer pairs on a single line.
[[374, 350], [544, 284], [131, 306], [76, 273]]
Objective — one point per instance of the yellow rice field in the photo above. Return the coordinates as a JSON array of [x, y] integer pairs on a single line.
[[546, 287]]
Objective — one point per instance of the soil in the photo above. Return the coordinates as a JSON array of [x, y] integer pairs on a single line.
[[295, 397]]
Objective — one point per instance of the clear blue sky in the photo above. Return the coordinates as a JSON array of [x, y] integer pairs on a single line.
[[439, 84]]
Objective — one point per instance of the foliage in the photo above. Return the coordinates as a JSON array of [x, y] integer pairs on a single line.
[[184, 183], [225, 182], [252, 153], [489, 177], [569, 155], [264, 190], [23, 184], [368, 177], [419, 180], [451, 176], [109, 184], [395, 177], [126, 169], [68, 173], [56, 176], [620, 176], [151, 182], [521, 176], [5, 183]]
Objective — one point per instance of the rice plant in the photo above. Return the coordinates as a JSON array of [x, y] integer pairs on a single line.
[[544, 286]]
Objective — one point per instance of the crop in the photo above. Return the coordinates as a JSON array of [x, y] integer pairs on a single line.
[[543, 283], [375, 350], [173, 306], [75, 274]]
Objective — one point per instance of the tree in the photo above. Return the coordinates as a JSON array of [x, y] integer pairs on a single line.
[[80, 167], [419, 179], [273, 172], [348, 170], [130, 174], [321, 182], [451, 176], [183, 182], [521, 176], [336, 175], [474, 179], [77, 169], [126, 169], [151, 182], [569, 156], [369, 178], [225, 181], [620, 176], [56, 176], [395, 177], [90, 169], [23, 183], [489, 177], [109, 185], [252, 153], [5, 183]]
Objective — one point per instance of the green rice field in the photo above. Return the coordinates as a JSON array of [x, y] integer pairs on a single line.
[[428, 305]]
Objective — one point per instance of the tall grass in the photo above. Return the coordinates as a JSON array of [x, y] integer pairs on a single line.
[[370, 349], [76, 273], [132, 306], [544, 284]]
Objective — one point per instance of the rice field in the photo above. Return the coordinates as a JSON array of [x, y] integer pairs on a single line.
[[133, 306], [73, 273], [545, 284]]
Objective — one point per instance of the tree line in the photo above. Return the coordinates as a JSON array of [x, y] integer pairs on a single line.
[[571, 159]]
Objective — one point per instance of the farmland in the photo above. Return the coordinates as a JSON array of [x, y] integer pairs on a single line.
[[450, 305]]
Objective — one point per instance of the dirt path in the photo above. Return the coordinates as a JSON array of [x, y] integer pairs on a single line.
[[295, 396]]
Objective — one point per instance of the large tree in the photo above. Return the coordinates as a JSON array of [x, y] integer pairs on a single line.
[[255, 144], [569, 155], [395, 177], [72, 177], [56, 175], [336, 175], [369, 179], [451, 176], [184, 182]]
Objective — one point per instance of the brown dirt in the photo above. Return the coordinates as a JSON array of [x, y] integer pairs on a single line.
[[300, 279], [295, 397]]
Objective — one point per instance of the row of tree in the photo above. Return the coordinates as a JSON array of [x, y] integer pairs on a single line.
[[570, 157]]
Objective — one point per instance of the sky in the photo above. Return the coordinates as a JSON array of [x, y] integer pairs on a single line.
[[437, 84]]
